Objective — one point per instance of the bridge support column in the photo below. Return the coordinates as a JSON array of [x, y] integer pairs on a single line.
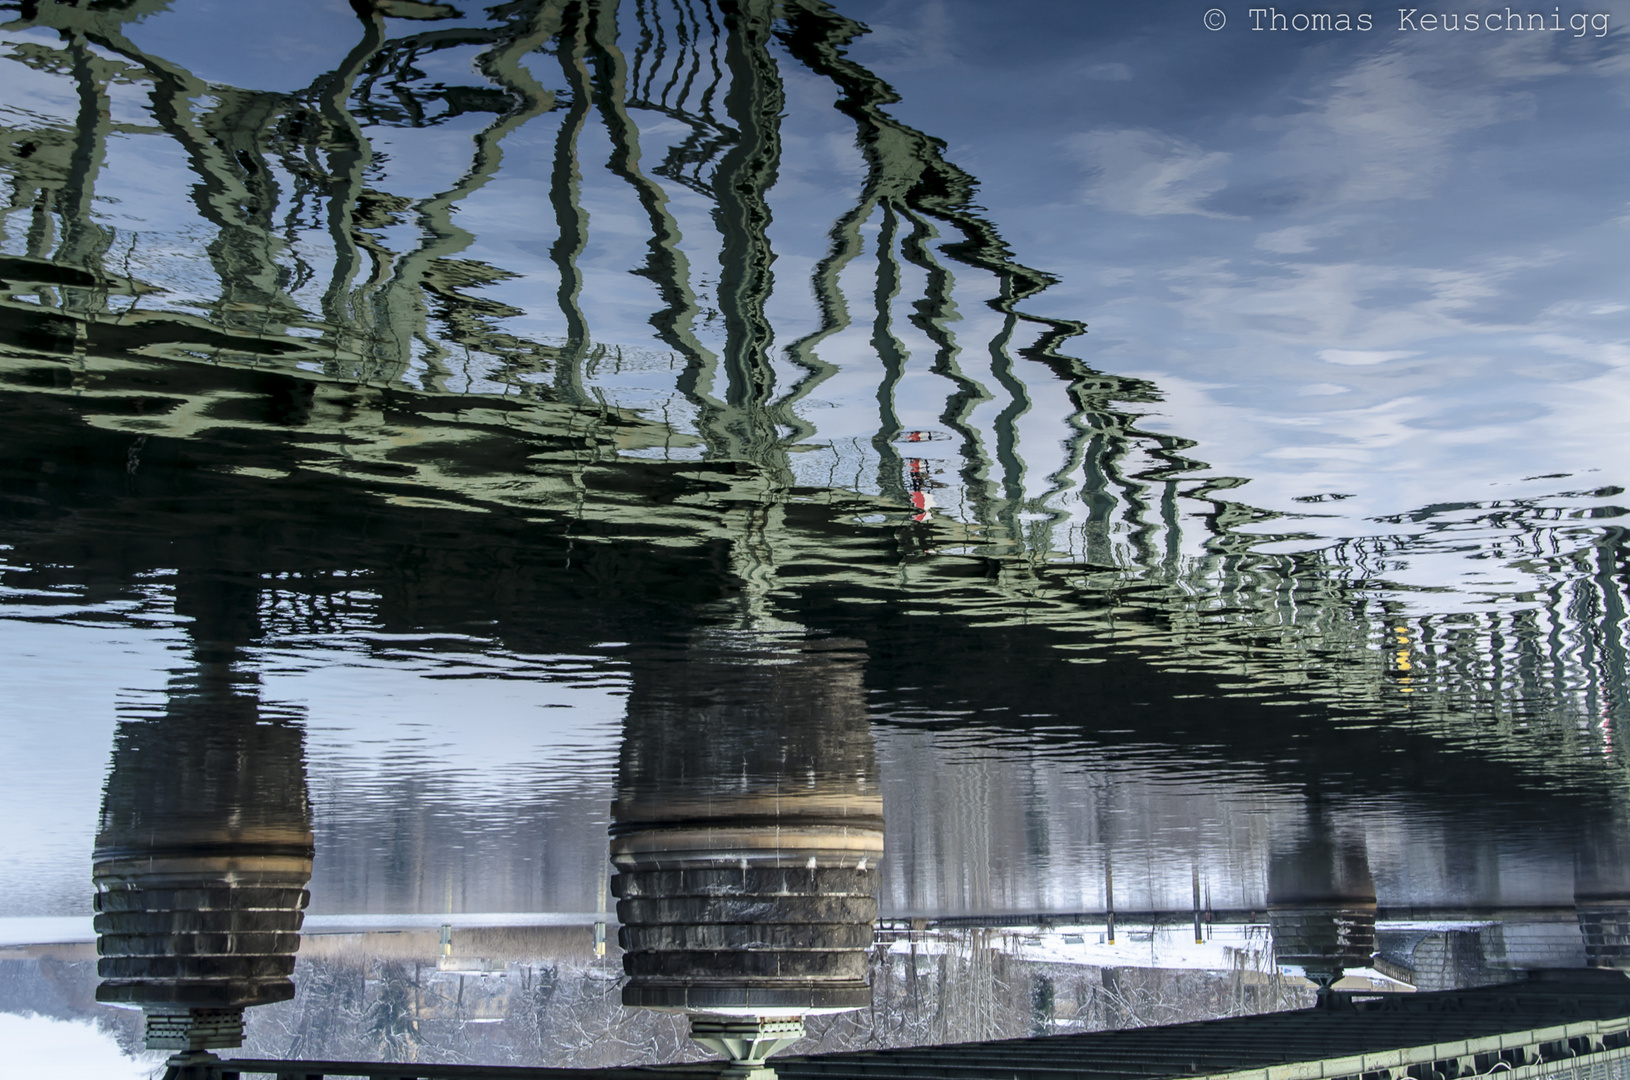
[[746, 1043]]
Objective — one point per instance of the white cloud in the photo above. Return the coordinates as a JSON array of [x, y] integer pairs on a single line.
[[1294, 240], [1389, 129], [1147, 173], [1609, 354], [1365, 307], [914, 36], [1361, 357]]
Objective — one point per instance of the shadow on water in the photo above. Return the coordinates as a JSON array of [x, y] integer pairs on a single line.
[[304, 382]]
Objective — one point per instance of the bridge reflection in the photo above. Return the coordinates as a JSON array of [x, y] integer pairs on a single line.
[[747, 834], [350, 324], [205, 847], [324, 366]]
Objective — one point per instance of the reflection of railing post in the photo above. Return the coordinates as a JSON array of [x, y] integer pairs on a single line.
[[666, 264], [420, 277], [1109, 897], [741, 189], [84, 242], [349, 157], [566, 197]]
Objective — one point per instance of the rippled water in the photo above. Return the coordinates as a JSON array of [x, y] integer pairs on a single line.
[[1135, 500]]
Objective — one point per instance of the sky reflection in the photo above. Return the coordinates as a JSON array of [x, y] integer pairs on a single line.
[[1190, 463], [1384, 265]]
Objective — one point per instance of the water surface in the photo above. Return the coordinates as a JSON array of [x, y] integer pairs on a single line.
[[1115, 502]]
